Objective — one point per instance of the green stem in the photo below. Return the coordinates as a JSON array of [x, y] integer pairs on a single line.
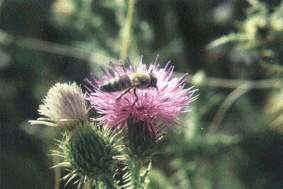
[[136, 175], [140, 177], [126, 30], [106, 184], [57, 176]]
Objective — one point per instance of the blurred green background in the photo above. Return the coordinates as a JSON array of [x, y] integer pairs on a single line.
[[233, 138]]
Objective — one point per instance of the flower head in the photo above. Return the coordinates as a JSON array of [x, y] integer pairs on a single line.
[[63, 105], [154, 106]]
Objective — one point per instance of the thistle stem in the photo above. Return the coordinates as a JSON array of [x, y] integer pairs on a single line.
[[136, 174], [126, 30], [57, 176], [140, 177]]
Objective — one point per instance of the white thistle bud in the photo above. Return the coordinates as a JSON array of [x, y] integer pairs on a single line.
[[63, 106]]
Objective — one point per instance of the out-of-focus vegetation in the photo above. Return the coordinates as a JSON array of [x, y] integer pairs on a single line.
[[233, 138]]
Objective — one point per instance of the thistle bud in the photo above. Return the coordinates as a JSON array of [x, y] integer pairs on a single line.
[[92, 154], [64, 106]]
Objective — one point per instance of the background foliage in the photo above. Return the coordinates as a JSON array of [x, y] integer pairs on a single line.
[[233, 136]]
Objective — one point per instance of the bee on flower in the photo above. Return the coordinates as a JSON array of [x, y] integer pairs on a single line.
[[144, 93], [137, 80]]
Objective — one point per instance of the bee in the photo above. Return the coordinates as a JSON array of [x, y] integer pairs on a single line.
[[128, 82]]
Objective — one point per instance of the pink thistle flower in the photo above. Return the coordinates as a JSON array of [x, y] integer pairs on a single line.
[[156, 107]]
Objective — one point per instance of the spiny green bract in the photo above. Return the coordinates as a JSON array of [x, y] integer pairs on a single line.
[[93, 154]]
